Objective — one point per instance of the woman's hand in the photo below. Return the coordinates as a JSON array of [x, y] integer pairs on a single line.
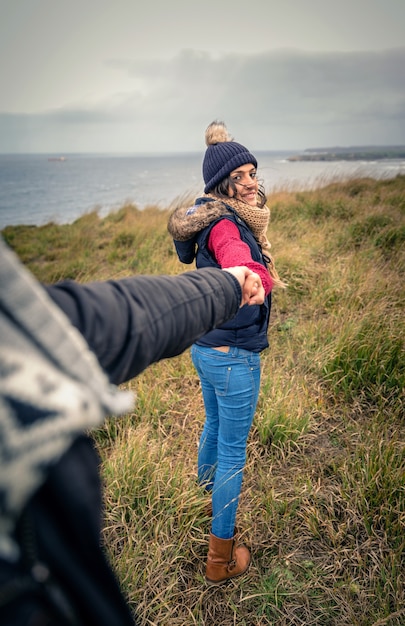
[[251, 284]]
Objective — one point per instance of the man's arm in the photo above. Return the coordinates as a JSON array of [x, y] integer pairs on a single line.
[[133, 322]]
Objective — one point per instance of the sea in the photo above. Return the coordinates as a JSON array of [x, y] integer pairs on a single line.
[[36, 189]]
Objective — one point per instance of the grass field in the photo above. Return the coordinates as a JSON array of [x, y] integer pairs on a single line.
[[323, 502]]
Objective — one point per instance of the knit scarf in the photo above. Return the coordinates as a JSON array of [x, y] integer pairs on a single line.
[[257, 219]]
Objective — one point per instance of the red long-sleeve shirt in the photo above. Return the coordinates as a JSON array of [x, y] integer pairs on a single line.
[[229, 250]]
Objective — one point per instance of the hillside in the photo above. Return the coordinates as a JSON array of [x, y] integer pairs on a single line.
[[323, 506]]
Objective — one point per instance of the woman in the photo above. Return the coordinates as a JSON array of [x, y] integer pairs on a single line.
[[227, 226]]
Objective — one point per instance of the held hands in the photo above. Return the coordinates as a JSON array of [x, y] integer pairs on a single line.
[[251, 284]]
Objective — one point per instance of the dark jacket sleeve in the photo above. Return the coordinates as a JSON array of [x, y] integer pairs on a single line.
[[133, 322]]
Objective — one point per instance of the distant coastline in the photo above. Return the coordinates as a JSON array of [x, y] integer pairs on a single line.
[[353, 153], [36, 191]]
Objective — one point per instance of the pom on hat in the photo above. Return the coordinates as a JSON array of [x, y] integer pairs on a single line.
[[223, 155], [217, 132]]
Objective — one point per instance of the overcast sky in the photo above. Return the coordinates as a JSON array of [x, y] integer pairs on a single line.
[[129, 76]]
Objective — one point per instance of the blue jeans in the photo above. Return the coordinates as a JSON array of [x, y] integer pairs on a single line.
[[230, 384]]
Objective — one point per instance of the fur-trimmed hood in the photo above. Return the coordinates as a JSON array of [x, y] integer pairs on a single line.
[[186, 222]]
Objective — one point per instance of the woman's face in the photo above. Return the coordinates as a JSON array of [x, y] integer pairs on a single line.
[[246, 184]]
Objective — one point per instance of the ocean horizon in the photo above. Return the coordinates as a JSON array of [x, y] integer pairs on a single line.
[[36, 189]]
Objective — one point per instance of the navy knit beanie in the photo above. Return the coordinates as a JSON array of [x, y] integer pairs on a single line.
[[222, 155]]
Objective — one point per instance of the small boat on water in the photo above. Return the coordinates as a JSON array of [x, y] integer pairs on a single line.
[[61, 158]]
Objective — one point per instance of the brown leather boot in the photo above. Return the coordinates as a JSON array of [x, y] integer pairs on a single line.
[[225, 560]]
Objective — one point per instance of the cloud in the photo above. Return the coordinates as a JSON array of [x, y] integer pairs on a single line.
[[281, 99]]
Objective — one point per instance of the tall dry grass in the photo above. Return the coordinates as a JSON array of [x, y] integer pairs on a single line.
[[323, 502]]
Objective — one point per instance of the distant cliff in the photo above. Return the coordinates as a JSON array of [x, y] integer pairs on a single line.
[[352, 153]]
